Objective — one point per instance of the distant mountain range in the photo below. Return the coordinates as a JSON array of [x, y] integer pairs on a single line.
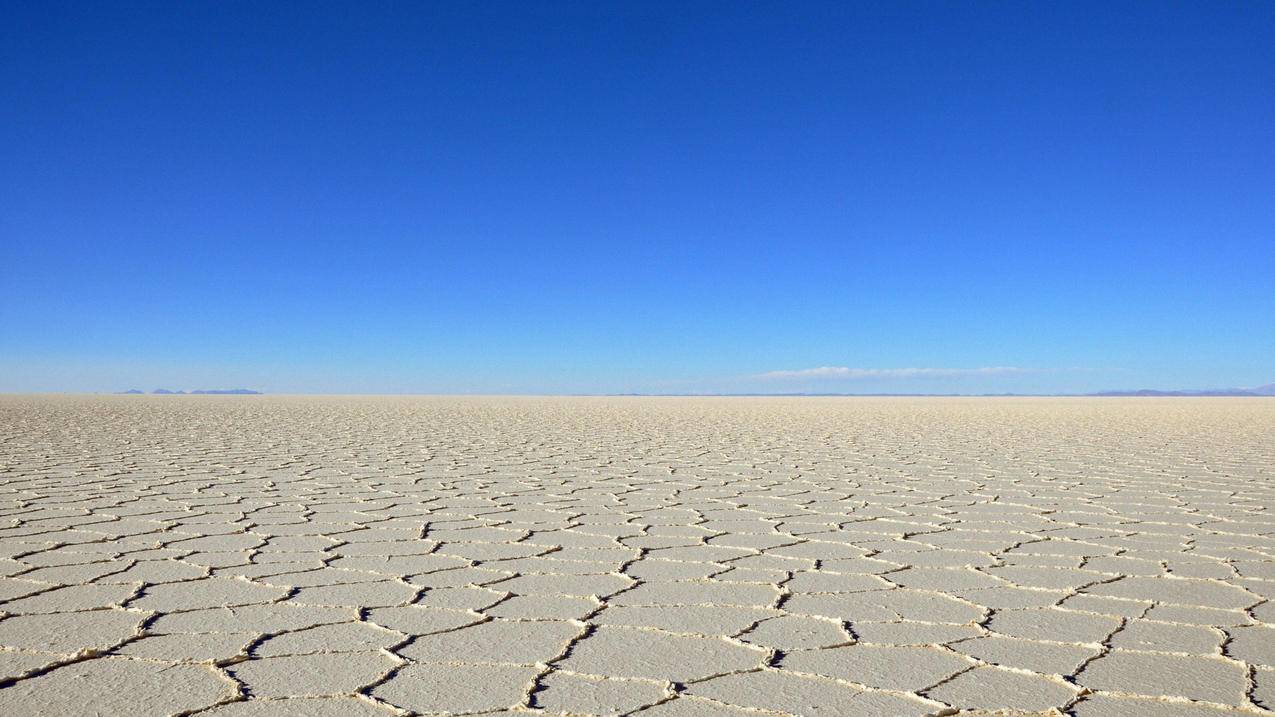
[[1267, 390], [200, 392]]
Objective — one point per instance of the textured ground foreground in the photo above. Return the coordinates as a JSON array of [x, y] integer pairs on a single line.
[[249, 556]]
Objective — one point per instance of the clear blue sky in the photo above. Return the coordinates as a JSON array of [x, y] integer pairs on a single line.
[[611, 197]]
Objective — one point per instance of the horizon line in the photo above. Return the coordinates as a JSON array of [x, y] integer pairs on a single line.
[[1139, 393]]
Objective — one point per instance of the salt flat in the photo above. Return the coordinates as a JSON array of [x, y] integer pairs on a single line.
[[249, 556]]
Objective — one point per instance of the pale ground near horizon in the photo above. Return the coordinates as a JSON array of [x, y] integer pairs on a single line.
[[666, 557]]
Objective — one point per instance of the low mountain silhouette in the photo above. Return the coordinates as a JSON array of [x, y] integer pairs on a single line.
[[1266, 390], [199, 392]]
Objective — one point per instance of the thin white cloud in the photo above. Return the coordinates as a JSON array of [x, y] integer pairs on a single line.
[[845, 372]]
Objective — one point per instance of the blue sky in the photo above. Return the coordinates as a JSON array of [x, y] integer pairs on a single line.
[[646, 197]]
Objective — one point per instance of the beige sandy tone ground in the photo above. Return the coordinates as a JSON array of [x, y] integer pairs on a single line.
[[249, 556]]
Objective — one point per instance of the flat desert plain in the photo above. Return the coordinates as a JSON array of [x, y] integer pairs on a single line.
[[667, 557]]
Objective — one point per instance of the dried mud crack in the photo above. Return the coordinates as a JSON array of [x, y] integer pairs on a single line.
[[261, 556]]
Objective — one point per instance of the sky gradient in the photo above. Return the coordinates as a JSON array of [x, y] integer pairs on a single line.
[[640, 197]]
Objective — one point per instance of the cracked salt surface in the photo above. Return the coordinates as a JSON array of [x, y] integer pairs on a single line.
[[270, 556]]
